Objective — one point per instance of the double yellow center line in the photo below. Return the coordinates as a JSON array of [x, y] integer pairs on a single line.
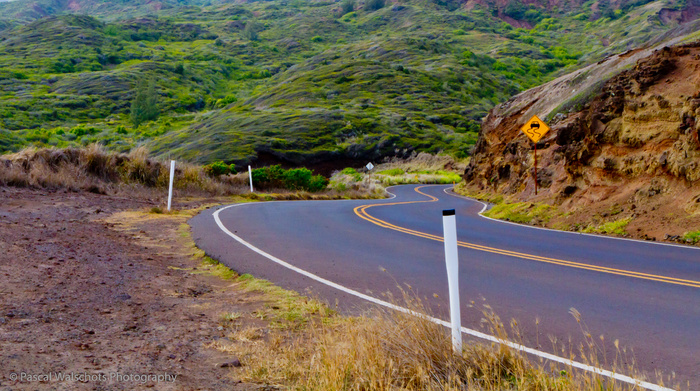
[[361, 211]]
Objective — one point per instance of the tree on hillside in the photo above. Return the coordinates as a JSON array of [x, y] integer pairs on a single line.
[[347, 7], [373, 5], [144, 106], [251, 30]]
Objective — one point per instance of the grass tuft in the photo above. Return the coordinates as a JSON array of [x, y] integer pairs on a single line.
[[522, 212], [616, 227], [692, 236]]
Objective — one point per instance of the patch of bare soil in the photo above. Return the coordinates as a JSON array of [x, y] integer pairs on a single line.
[[86, 291], [656, 208]]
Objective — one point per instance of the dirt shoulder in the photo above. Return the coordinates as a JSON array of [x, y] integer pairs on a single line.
[[88, 288]]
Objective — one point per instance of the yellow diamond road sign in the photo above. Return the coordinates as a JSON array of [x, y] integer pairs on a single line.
[[535, 128]]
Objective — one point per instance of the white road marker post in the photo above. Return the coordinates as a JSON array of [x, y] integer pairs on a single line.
[[250, 176], [170, 190], [449, 226]]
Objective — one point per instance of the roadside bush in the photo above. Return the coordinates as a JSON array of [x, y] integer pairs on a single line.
[[292, 179], [318, 183], [297, 178], [270, 176], [219, 168]]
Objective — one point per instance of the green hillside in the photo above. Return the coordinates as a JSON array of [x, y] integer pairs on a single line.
[[296, 82]]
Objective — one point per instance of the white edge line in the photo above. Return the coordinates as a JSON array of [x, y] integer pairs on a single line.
[[474, 333], [453, 194]]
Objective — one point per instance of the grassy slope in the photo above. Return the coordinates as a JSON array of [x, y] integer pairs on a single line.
[[312, 85]]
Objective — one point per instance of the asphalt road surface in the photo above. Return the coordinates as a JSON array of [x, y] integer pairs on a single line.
[[646, 295]]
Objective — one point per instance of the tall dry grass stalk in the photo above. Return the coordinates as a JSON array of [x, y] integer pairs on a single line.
[[94, 169], [399, 351], [389, 350], [424, 162]]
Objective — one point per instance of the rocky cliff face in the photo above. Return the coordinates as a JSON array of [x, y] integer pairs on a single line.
[[634, 146]]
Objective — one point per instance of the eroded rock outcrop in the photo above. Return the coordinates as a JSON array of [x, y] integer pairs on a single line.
[[637, 138]]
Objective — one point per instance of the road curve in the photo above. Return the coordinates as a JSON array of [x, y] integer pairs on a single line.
[[646, 295]]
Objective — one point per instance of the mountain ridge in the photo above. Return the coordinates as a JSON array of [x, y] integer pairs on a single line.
[[294, 82]]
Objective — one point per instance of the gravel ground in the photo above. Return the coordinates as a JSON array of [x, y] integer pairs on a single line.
[[89, 291]]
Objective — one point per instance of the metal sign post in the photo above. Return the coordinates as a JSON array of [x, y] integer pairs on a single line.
[[535, 168], [535, 129]]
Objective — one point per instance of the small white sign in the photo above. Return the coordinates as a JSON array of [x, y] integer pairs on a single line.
[[370, 166]]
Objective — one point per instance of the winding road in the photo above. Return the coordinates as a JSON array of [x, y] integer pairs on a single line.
[[646, 295]]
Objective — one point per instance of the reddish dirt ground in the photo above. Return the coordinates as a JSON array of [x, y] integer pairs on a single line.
[[83, 293]]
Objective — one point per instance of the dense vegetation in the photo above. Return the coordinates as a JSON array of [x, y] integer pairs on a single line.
[[296, 82], [302, 178]]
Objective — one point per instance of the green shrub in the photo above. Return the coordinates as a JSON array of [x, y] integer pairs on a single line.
[[347, 6], [292, 179], [373, 5], [80, 131], [348, 17], [317, 183], [692, 236], [219, 168], [227, 100], [144, 106], [63, 66], [297, 178], [316, 38], [250, 31], [270, 176]]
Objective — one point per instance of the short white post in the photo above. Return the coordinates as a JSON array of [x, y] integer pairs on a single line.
[[449, 226], [250, 176], [172, 175]]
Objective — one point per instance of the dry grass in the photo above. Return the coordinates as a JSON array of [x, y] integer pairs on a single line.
[[417, 168], [136, 175], [388, 350], [424, 162], [356, 184], [94, 169]]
